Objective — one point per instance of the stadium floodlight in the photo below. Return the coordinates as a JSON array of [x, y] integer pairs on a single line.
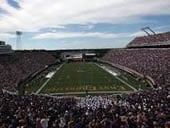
[[18, 40]]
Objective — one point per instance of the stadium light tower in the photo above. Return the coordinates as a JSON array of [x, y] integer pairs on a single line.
[[18, 40]]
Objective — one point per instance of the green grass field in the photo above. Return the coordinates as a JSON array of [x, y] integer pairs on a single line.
[[84, 77], [81, 77]]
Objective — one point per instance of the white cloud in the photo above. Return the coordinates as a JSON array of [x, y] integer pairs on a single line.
[[38, 14], [104, 35], [138, 33], [61, 35]]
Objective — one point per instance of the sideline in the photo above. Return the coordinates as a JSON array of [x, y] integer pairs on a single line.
[[112, 73], [39, 90], [89, 92]]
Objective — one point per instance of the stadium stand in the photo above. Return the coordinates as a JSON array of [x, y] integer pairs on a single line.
[[148, 109], [162, 39], [143, 109], [19, 65], [153, 62]]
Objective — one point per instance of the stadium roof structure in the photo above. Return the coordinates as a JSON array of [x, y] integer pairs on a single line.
[[161, 39]]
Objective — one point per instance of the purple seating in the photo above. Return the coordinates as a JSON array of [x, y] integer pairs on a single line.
[[152, 40], [152, 62], [19, 65]]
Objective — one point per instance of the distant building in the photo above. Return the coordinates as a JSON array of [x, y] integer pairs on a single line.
[[77, 56], [72, 56], [89, 56], [5, 48]]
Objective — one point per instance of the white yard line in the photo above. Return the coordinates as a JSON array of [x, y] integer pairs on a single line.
[[126, 83], [90, 92], [110, 72], [39, 90]]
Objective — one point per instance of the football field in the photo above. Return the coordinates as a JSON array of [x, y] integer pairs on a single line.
[[85, 77]]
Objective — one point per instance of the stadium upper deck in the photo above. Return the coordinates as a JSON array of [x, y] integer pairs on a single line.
[[159, 40]]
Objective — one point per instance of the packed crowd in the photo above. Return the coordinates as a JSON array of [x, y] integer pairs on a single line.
[[157, 39], [146, 109], [95, 102], [152, 62], [149, 109], [19, 65]]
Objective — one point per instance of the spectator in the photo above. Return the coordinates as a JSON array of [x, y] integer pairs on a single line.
[[149, 62]]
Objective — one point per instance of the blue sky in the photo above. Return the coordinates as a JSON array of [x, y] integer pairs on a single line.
[[80, 24]]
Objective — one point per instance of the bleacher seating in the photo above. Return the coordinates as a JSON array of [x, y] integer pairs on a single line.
[[152, 40], [154, 62], [143, 109], [19, 65], [149, 109]]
